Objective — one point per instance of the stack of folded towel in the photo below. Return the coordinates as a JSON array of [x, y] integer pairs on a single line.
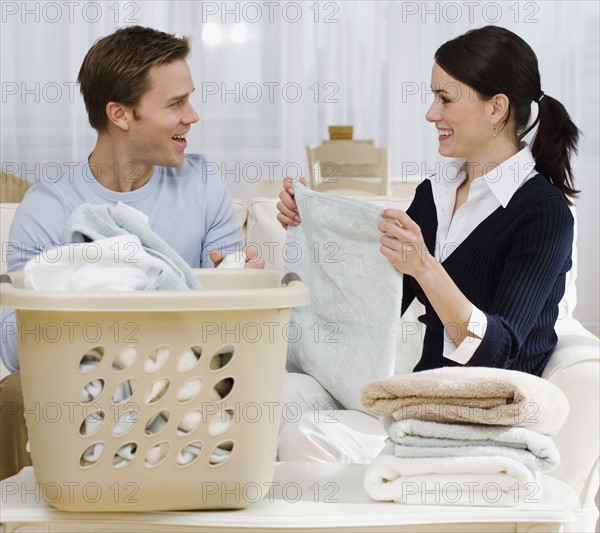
[[463, 436]]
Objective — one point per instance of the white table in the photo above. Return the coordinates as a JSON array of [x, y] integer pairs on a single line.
[[305, 497]]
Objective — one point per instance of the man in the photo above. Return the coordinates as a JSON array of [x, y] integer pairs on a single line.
[[136, 86]]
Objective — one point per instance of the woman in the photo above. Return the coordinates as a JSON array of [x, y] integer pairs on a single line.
[[486, 246]]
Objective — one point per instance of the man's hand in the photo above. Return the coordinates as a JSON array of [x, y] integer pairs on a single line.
[[252, 258]]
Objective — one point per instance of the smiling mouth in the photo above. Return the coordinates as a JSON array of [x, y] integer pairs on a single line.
[[180, 139], [444, 133]]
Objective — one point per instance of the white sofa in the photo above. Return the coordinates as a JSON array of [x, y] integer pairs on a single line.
[[574, 366]]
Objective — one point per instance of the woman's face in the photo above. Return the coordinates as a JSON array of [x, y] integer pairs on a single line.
[[461, 118]]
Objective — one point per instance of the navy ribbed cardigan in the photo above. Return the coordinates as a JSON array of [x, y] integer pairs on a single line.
[[513, 267]]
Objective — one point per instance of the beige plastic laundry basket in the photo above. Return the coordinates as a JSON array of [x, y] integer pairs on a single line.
[[202, 373]]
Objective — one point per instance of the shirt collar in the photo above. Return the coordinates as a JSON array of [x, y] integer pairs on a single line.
[[503, 180]]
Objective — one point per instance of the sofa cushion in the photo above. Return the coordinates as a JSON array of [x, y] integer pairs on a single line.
[[241, 210]]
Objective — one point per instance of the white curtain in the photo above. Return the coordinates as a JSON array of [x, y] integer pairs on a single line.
[[301, 67]]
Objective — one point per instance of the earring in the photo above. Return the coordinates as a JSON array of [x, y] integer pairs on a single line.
[[494, 133]]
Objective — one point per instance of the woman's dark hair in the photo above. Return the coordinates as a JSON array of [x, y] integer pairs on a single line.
[[494, 60]]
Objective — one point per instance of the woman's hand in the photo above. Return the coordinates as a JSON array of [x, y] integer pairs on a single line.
[[288, 210], [402, 243]]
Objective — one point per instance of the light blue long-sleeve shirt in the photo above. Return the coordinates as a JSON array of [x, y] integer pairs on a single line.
[[189, 207]]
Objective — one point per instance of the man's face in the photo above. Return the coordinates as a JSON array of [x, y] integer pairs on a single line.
[[163, 117]]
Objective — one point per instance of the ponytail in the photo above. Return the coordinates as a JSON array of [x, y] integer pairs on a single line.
[[553, 145]]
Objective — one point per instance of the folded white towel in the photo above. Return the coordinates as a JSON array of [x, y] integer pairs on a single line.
[[480, 481], [417, 438]]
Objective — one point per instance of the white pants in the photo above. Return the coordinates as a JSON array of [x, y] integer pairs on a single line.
[[314, 428]]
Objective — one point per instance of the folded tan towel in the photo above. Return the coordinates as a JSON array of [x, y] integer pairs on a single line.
[[477, 395]]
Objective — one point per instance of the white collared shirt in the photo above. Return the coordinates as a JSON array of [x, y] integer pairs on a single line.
[[486, 194]]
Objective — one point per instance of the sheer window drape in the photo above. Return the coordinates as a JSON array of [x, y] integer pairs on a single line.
[[272, 76]]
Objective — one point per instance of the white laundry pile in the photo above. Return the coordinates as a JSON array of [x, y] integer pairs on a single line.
[[113, 265], [192, 420], [95, 222], [464, 436]]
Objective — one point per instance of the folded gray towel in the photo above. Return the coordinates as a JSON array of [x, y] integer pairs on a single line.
[[92, 222], [417, 438]]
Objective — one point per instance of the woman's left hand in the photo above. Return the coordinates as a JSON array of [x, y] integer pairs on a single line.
[[402, 243]]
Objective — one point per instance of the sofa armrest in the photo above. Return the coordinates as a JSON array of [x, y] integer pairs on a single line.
[[575, 368]]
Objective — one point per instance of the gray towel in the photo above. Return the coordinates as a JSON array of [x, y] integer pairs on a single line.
[[92, 222], [417, 438], [347, 336]]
